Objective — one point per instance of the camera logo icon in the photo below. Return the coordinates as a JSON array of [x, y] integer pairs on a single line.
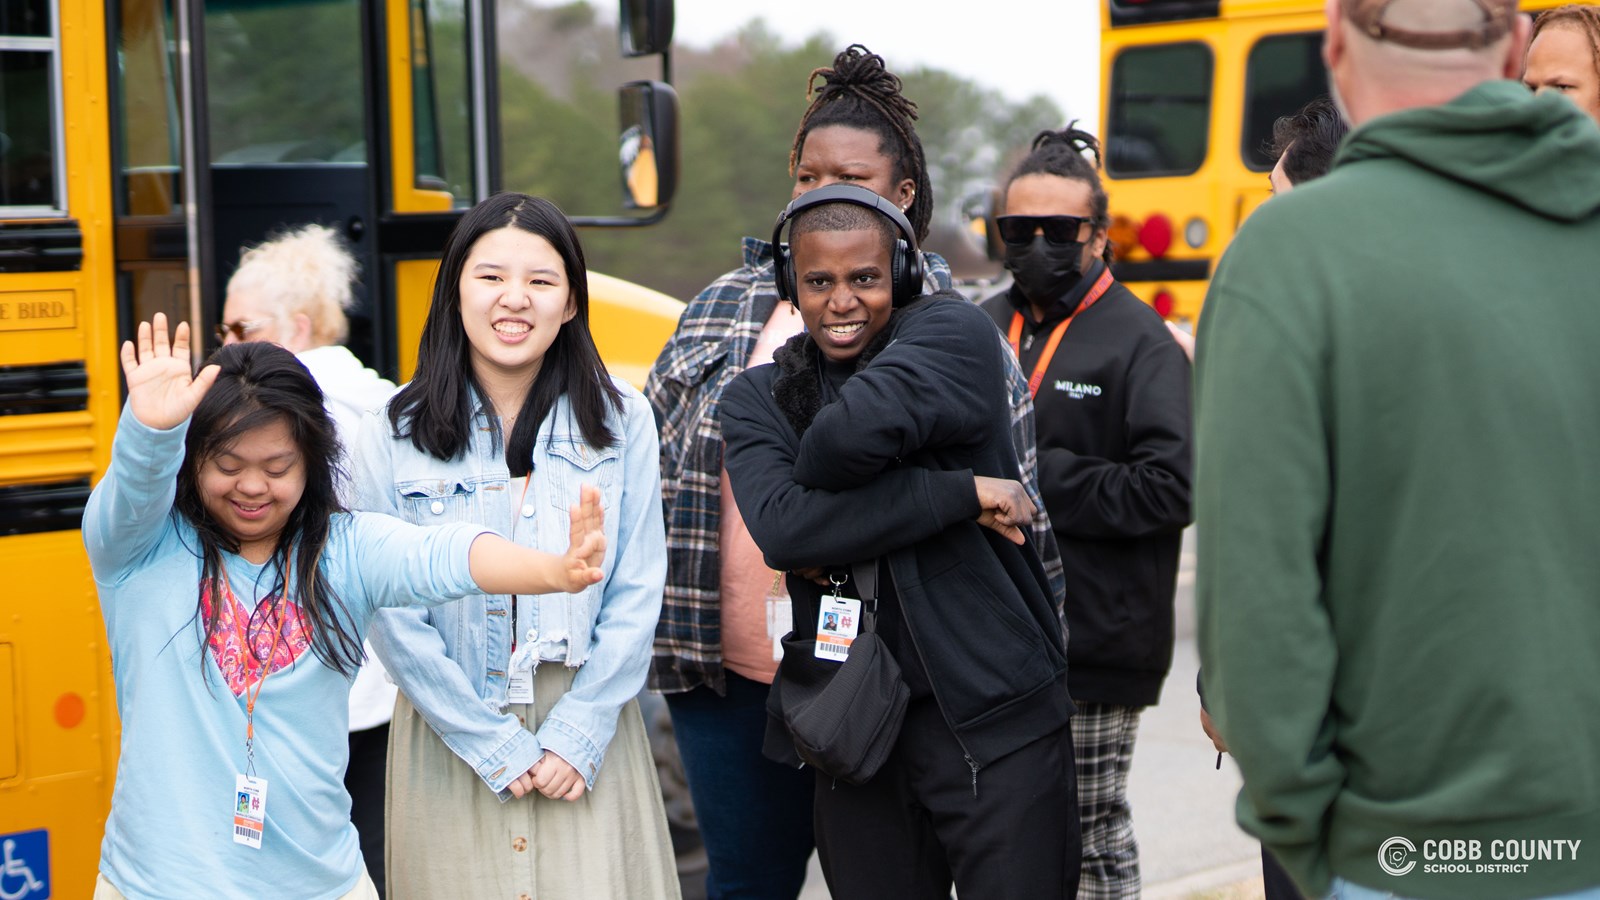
[[1395, 856]]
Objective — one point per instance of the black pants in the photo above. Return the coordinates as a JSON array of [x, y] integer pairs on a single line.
[[1275, 881], [364, 779], [916, 826]]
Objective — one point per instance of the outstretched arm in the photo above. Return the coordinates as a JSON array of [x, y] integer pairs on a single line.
[[501, 567]]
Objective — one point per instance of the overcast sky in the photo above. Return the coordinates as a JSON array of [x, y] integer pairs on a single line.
[[1020, 47]]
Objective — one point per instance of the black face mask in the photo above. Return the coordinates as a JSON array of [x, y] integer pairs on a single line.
[[1045, 272]]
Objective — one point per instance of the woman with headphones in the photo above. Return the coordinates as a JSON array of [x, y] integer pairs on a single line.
[[725, 610], [873, 460]]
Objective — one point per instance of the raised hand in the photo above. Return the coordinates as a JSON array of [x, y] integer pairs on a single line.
[[586, 546], [1006, 507], [161, 391]]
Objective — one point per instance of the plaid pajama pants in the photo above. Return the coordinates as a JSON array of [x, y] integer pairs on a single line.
[[1102, 737]]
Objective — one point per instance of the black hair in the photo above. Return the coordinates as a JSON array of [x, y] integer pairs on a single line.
[[1307, 140], [435, 409], [860, 92], [1061, 153], [844, 217], [261, 384]]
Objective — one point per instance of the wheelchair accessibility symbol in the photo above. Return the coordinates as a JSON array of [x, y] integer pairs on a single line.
[[25, 865]]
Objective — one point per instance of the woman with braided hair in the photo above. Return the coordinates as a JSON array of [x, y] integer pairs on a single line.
[[725, 609], [1564, 55], [1115, 467]]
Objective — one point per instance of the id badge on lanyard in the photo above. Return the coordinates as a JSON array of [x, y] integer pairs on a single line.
[[519, 668], [838, 620], [249, 807], [780, 615]]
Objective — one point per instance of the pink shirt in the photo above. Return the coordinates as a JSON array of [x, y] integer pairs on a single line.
[[747, 647]]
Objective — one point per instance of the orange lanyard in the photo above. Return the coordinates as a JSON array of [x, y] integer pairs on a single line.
[[243, 630], [1101, 285]]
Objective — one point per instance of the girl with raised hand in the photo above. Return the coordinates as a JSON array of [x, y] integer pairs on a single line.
[[222, 556], [514, 704]]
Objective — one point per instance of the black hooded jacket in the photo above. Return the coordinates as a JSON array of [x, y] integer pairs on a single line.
[[886, 470], [1115, 466]]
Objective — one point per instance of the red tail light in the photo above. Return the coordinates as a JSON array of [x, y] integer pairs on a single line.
[[1155, 235], [1163, 302]]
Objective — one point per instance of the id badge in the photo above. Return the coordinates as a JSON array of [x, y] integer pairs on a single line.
[[519, 688], [249, 810], [837, 622], [780, 618]]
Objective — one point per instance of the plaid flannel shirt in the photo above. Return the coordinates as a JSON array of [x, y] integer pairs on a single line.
[[714, 338]]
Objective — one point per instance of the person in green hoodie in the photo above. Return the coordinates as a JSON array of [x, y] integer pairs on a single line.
[[1397, 494]]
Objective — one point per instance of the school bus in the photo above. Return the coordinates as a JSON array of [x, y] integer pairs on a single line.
[[1192, 88], [142, 143]]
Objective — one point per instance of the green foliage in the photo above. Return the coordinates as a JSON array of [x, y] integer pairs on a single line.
[[741, 102]]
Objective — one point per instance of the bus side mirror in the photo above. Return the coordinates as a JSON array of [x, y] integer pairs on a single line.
[[648, 149], [645, 27]]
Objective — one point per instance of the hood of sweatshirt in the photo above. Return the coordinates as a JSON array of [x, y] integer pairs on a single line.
[[1536, 151]]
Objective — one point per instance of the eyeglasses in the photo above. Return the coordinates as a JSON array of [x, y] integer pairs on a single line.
[[239, 329], [1057, 229]]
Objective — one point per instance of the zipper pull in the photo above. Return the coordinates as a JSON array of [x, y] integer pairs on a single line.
[[973, 764], [1027, 343]]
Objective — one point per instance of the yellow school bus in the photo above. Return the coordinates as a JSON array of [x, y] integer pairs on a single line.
[[142, 143], [1192, 88]]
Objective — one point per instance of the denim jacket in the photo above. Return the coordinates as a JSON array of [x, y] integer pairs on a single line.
[[451, 660]]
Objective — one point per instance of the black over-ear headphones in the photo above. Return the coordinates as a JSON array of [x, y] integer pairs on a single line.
[[905, 263]]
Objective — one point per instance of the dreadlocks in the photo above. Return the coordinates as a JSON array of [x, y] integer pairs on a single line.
[[1061, 153], [860, 92], [1585, 19]]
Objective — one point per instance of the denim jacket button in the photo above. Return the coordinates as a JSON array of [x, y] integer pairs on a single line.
[[437, 507], [527, 510], [533, 635]]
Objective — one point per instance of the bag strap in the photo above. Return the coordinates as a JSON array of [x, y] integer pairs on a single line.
[[866, 578]]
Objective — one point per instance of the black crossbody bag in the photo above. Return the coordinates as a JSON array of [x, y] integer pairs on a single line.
[[844, 717]]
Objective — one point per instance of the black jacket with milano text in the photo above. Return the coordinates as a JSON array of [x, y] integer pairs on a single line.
[[1115, 463], [886, 470]]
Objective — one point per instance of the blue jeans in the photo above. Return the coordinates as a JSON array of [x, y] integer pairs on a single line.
[[1345, 890], [754, 815]]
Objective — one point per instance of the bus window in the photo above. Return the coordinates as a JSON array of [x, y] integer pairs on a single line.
[[1159, 110], [30, 154], [441, 99], [283, 82], [1283, 73]]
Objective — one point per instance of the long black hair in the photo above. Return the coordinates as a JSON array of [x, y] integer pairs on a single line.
[[860, 92], [435, 409], [1061, 153], [261, 384]]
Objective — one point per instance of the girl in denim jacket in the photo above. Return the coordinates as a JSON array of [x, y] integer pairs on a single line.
[[509, 704]]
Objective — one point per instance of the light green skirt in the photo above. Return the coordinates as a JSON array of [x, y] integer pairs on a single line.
[[447, 835]]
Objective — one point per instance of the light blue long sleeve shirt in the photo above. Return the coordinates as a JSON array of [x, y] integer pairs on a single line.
[[170, 832]]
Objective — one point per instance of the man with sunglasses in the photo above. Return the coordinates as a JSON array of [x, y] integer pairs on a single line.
[[1111, 400]]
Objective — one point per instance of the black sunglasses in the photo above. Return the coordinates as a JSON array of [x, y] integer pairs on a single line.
[[1057, 229]]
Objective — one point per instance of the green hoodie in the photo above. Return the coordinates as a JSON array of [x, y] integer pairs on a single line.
[[1398, 504]]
